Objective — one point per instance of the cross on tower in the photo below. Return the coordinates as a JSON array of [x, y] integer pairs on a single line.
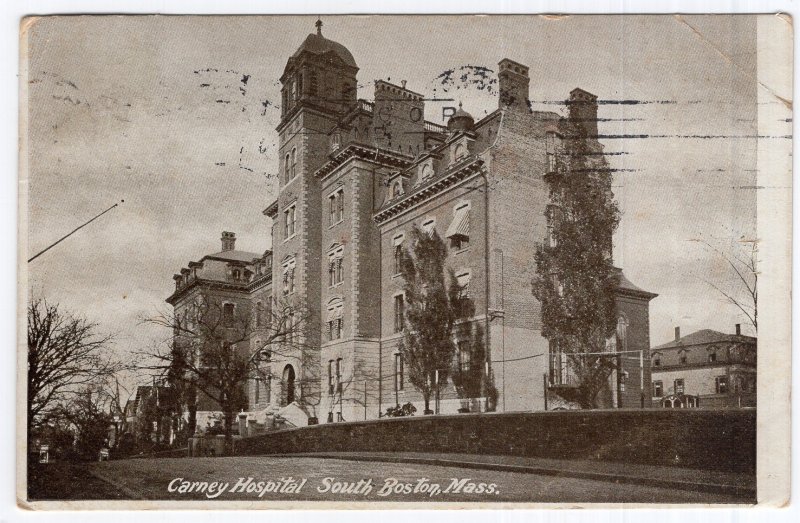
[[318, 23]]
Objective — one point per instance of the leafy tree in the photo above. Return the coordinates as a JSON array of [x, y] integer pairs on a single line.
[[432, 303], [468, 378], [576, 280], [65, 355]]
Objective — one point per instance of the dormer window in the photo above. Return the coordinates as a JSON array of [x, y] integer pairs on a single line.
[[428, 226], [426, 173], [397, 189]]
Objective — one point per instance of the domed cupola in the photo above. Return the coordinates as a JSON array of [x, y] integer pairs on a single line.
[[319, 45], [321, 73], [461, 120]]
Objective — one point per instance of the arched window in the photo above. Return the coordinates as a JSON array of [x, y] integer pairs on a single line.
[[427, 172], [294, 163], [312, 83], [459, 152], [286, 168], [397, 189]]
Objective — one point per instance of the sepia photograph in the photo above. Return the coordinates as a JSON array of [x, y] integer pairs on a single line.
[[418, 260]]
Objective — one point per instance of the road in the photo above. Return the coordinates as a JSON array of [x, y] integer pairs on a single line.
[[281, 478]]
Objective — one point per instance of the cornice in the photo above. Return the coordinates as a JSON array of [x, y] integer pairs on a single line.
[[431, 188]]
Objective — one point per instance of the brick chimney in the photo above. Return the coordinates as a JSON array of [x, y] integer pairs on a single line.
[[514, 85], [228, 241], [677, 334], [738, 329], [583, 110]]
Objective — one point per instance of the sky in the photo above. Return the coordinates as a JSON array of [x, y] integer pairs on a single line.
[[177, 116]]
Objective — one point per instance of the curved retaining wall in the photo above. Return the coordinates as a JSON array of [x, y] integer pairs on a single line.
[[706, 439]]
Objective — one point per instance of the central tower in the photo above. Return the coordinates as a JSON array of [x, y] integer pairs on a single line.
[[318, 86]]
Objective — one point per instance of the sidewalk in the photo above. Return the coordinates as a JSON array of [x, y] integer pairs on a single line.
[[737, 484]]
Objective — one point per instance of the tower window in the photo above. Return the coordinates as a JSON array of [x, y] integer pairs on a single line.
[[287, 166], [288, 277], [335, 267], [293, 167], [335, 324], [290, 216], [336, 206]]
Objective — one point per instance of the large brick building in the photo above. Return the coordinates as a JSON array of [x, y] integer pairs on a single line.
[[354, 176]]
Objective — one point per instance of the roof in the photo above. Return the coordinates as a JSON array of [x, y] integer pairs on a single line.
[[241, 256], [627, 287], [318, 44], [706, 337]]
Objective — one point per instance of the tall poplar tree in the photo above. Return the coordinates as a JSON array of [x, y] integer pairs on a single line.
[[576, 279], [431, 308]]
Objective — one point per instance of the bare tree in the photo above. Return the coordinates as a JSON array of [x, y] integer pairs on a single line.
[[743, 264], [65, 354], [210, 352]]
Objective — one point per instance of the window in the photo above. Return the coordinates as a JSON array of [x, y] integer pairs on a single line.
[[551, 145], [399, 312], [428, 226], [397, 189], [678, 385], [339, 375], [712, 355], [335, 267], [682, 357], [312, 83], [656, 360], [293, 171], [334, 320], [288, 277], [458, 231], [398, 371], [290, 217], [464, 356], [299, 85], [330, 377], [268, 312], [257, 387], [459, 152], [398, 253], [336, 207], [259, 314], [427, 172], [721, 385], [227, 314], [622, 333], [463, 284], [287, 168], [658, 389]]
